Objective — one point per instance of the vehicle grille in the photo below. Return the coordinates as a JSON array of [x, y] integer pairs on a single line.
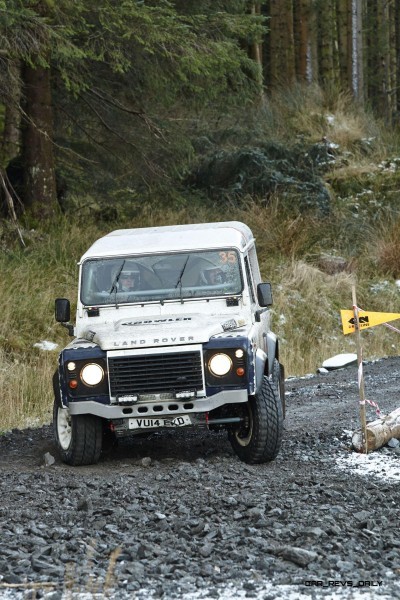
[[155, 373]]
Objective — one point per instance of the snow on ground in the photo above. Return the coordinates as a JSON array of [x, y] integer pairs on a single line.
[[382, 465], [46, 345], [290, 592], [230, 592]]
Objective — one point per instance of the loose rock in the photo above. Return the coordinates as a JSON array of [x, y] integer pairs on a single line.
[[178, 514]]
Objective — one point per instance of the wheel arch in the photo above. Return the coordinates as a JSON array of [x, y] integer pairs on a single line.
[[272, 352], [57, 388], [264, 361]]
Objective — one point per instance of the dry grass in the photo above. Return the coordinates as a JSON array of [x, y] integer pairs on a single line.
[[25, 389], [297, 111], [306, 315], [386, 248], [278, 234], [307, 112], [347, 125]]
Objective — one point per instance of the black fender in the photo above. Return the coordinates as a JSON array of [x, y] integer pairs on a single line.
[[272, 351], [264, 361], [57, 389], [261, 363]]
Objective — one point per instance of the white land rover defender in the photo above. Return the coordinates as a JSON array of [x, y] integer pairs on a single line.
[[172, 330]]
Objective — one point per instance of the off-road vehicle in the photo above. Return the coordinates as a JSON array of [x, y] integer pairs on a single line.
[[172, 330]]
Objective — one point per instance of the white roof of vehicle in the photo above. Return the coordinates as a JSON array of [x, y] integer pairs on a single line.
[[171, 238]]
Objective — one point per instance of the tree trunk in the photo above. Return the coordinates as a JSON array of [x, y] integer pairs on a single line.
[[313, 66], [383, 100], [393, 60], [281, 43], [326, 30], [358, 51], [255, 50], [379, 432], [371, 48], [288, 32], [397, 51], [37, 143], [344, 47], [10, 144], [301, 19]]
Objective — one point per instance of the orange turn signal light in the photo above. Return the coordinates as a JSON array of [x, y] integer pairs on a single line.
[[240, 371], [73, 384]]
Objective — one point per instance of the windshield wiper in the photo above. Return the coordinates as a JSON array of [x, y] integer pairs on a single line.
[[114, 283], [179, 282]]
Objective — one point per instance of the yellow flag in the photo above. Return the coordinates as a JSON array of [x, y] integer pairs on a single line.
[[366, 319]]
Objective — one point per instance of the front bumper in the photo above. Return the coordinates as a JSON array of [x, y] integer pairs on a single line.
[[158, 409]]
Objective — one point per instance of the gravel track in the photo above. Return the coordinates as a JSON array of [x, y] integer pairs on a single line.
[[177, 515]]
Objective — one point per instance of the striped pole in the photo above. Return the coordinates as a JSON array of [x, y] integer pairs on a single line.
[[360, 374]]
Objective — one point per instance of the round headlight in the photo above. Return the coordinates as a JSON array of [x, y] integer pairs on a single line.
[[220, 364], [92, 374]]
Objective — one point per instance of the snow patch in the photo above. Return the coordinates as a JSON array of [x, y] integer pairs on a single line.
[[46, 345], [383, 466]]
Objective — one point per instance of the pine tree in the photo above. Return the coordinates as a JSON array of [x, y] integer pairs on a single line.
[[326, 47], [281, 62], [119, 62], [384, 89], [10, 144], [358, 51], [396, 47], [393, 61], [302, 34], [344, 29]]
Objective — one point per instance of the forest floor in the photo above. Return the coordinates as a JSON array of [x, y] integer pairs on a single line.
[[177, 515]]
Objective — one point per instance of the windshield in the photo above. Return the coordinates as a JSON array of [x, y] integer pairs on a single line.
[[157, 278]]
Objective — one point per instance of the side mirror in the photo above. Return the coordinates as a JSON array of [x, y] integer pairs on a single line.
[[62, 310], [264, 294]]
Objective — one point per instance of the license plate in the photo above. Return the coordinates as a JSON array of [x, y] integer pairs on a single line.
[[180, 421]]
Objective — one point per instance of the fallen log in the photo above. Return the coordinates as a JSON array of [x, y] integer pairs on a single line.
[[379, 432]]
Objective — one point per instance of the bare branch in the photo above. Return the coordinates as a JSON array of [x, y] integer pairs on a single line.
[[10, 204], [150, 165], [118, 105]]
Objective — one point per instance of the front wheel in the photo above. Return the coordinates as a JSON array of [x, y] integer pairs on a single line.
[[258, 437], [78, 437]]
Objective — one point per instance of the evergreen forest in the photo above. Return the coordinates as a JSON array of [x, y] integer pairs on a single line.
[[283, 114]]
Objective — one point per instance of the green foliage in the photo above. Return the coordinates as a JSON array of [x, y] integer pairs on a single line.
[[176, 54], [133, 71]]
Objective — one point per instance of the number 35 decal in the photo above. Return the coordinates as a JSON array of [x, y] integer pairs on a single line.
[[227, 257]]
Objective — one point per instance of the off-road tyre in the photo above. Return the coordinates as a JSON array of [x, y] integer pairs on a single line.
[[258, 438], [278, 383], [78, 437]]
